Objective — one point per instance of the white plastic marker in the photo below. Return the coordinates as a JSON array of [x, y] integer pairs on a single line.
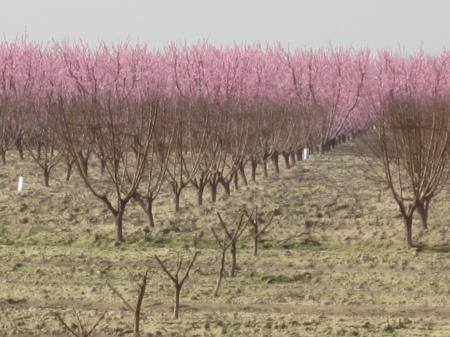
[[305, 154], [20, 184]]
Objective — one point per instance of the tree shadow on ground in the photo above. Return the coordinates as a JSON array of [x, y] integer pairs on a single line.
[[445, 248]]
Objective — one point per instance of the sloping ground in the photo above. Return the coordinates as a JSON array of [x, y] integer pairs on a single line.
[[333, 264]]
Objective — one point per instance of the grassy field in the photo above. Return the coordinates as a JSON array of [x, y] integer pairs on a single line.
[[334, 263]]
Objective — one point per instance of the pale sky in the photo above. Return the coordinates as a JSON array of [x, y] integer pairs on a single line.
[[395, 24]]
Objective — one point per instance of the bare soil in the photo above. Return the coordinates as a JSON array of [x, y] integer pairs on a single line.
[[334, 264]]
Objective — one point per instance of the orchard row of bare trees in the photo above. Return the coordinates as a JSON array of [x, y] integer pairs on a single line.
[[145, 143]]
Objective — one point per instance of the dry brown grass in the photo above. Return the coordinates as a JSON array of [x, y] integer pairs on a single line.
[[334, 265]]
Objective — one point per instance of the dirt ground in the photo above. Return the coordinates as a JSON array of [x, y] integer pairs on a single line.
[[333, 264]]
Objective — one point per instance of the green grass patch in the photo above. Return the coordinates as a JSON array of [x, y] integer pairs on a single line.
[[185, 241]]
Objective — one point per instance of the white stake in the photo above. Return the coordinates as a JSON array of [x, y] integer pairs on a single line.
[[305, 154], [20, 184]]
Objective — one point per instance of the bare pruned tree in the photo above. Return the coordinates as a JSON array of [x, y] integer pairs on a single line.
[[412, 144], [155, 172], [216, 155], [9, 107], [205, 140], [240, 125], [122, 131], [7, 134], [84, 151], [305, 129], [41, 138], [269, 132], [189, 139]]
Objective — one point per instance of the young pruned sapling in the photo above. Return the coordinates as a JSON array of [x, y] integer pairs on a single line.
[[177, 279], [229, 241], [233, 235], [80, 330], [135, 310], [256, 230]]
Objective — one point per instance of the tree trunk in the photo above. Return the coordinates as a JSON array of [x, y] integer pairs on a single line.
[[236, 181], [85, 166], [332, 144], [137, 321], [46, 177], [39, 147], [275, 161], [286, 160], [119, 223], [176, 199], [149, 212], [325, 146], [176, 308], [226, 186], [255, 245], [299, 154], [265, 169], [242, 174], [422, 208], [19, 145], [408, 231], [146, 203], [322, 148], [69, 169], [233, 250], [254, 166], [213, 187], [293, 160], [3, 154], [200, 191], [220, 276]]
